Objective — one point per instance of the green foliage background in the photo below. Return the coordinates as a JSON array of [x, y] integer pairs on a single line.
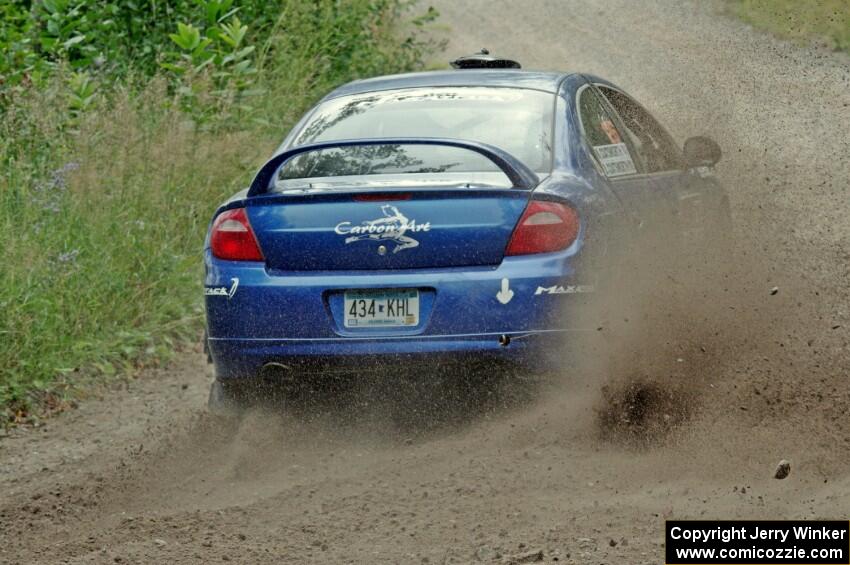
[[801, 20], [122, 125]]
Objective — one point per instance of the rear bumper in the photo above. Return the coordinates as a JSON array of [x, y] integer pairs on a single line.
[[256, 317], [247, 357]]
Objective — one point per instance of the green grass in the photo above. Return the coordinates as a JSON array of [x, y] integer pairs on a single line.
[[800, 20], [103, 214]]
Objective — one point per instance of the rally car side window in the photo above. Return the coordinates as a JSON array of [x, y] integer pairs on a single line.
[[656, 148], [602, 135]]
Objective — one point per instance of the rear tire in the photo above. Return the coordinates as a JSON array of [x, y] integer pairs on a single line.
[[226, 398]]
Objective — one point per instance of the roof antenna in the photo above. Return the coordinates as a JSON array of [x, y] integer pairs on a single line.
[[484, 60]]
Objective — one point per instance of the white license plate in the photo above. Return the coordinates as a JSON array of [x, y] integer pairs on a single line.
[[381, 308]]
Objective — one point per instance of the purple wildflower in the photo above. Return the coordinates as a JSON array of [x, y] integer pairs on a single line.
[[49, 191], [68, 258]]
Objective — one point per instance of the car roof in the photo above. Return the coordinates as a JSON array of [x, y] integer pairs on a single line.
[[537, 80]]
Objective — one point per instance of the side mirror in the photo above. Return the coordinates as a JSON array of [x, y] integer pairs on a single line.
[[701, 151]]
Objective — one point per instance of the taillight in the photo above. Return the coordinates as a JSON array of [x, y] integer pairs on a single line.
[[543, 228], [232, 237]]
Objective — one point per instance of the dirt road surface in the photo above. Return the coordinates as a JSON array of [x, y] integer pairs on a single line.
[[419, 473]]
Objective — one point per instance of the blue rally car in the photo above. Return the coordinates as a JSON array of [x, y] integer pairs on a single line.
[[442, 216]]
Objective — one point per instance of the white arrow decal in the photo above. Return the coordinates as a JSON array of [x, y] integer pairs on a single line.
[[506, 294]]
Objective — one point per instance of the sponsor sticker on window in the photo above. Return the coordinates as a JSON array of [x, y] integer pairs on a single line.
[[615, 159]]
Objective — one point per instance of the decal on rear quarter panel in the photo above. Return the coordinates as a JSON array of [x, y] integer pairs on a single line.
[[569, 289], [223, 290]]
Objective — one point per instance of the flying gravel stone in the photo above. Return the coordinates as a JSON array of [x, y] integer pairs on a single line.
[[782, 470]]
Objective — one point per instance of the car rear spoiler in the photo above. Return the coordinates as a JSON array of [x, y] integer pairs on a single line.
[[517, 172]]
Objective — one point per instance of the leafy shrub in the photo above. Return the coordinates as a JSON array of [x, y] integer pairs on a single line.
[[114, 37], [219, 54]]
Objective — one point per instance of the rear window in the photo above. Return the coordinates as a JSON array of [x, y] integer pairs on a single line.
[[516, 120], [389, 165]]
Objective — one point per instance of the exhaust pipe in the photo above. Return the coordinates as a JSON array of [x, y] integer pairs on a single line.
[[504, 340], [276, 370]]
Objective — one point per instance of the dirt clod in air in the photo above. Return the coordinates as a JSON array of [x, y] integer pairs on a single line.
[[782, 470], [642, 410]]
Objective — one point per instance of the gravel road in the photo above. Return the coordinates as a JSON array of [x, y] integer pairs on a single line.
[[518, 469]]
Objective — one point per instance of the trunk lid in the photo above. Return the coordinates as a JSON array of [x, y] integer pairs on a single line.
[[407, 229]]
